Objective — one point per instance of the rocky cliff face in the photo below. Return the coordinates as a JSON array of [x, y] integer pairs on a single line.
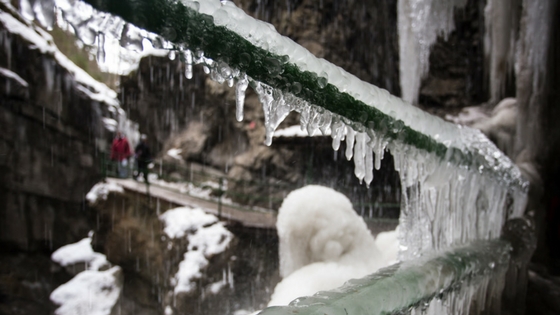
[[51, 129], [49, 125]]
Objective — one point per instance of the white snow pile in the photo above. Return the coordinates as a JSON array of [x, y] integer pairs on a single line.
[[80, 252], [206, 236], [324, 243], [175, 153], [184, 220], [92, 291], [101, 191]]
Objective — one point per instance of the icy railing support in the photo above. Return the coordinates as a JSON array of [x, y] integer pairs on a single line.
[[449, 282]]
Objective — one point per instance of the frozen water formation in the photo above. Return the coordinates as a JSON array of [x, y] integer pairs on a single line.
[[324, 243], [420, 24], [457, 187]]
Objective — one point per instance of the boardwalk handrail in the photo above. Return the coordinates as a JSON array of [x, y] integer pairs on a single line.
[[405, 286]]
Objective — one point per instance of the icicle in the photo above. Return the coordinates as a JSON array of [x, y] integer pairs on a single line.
[[275, 109], [266, 99], [305, 112], [337, 132], [369, 166], [350, 133], [325, 120], [420, 22], [240, 89], [359, 156], [313, 121], [189, 64], [379, 152]]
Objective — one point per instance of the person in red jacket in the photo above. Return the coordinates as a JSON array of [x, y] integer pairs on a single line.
[[120, 152]]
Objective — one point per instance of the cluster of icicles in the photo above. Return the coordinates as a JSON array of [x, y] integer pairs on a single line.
[[443, 204]]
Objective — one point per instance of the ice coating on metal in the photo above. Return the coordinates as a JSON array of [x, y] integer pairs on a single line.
[[443, 284]]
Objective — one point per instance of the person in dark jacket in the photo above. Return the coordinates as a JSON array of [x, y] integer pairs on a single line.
[[120, 152], [143, 158]]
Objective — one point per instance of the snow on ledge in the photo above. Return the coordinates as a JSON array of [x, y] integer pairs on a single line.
[[90, 292], [175, 153], [206, 236], [101, 191], [12, 75], [180, 221], [80, 252]]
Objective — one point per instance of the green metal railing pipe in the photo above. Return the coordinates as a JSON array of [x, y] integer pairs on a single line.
[[406, 285]]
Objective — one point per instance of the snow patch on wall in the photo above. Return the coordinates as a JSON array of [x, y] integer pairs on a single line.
[[206, 237], [80, 252], [93, 291], [181, 221], [90, 292]]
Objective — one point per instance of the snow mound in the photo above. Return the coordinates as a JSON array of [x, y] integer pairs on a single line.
[[180, 221], [80, 252], [324, 243], [90, 292], [101, 191]]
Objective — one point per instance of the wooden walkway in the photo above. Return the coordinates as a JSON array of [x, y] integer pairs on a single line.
[[243, 216], [246, 217]]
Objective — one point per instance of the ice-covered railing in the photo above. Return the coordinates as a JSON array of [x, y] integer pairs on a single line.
[[457, 186], [444, 284]]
